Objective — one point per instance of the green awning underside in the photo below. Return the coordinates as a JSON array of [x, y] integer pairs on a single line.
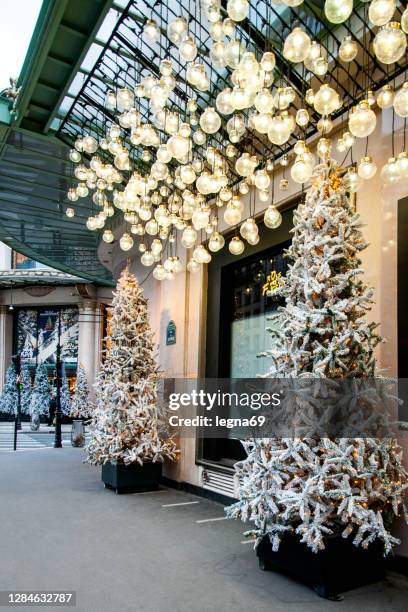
[[34, 178]]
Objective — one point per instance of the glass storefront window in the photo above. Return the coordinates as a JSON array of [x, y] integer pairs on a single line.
[[38, 333], [249, 312]]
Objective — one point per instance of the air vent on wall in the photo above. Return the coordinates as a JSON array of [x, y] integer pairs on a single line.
[[219, 482]]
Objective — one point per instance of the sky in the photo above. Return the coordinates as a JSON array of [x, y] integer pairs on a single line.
[[17, 22]]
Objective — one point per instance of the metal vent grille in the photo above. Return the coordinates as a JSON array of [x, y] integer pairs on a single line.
[[219, 482]]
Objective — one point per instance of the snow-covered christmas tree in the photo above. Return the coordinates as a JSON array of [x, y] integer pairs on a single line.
[[82, 406], [65, 397], [26, 390], [305, 485], [127, 422], [40, 395], [9, 398]]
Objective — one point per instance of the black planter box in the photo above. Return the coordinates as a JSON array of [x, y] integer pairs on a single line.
[[131, 478], [341, 566]]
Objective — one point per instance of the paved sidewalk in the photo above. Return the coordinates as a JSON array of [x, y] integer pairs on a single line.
[[152, 552]]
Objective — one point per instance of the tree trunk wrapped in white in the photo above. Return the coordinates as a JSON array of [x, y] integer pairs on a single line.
[[314, 487], [127, 422]]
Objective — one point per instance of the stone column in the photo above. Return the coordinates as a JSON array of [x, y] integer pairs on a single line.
[[86, 340], [6, 342]]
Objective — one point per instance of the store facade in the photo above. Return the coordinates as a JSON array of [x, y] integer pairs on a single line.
[[41, 310]]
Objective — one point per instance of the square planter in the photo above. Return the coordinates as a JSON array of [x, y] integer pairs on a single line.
[[340, 567], [131, 478]]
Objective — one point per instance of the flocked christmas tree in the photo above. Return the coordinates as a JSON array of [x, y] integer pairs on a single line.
[[26, 389], [127, 422], [65, 397], [311, 486], [8, 403], [40, 395], [82, 406]]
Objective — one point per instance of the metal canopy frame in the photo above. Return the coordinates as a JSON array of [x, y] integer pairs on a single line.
[[127, 56]]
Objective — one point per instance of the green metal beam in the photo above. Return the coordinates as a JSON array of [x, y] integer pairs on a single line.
[[77, 65], [46, 27]]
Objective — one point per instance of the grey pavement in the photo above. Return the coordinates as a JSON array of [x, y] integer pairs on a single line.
[[61, 530]]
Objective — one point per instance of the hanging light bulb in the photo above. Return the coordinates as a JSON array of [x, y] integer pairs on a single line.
[[201, 255], [177, 30], [233, 52], [296, 46], [272, 217], [159, 272], [72, 195], [324, 125], [279, 130], [326, 100], [390, 171], [216, 242], [348, 49], [301, 172], [223, 102], [108, 236], [217, 54], [302, 117], [228, 27], [210, 121], [70, 212], [380, 12], [404, 21], [91, 223], [324, 148], [349, 139], [352, 180], [268, 61], [232, 214], [402, 164], [367, 167], [263, 101], [147, 259], [126, 242], [337, 11], [390, 43], [385, 97], [362, 120], [188, 49], [237, 9], [189, 237], [193, 266], [262, 180], [75, 156], [151, 30], [216, 31], [248, 227], [236, 246], [401, 101]]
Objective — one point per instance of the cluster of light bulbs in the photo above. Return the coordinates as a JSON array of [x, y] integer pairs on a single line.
[[191, 182]]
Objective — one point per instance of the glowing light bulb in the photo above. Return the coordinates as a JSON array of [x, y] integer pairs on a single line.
[[401, 101], [337, 11], [272, 217], [236, 246], [390, 43], [126, 242], [237, 9], [348, 49], [380, 12], [296, 46], [367, 167]]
